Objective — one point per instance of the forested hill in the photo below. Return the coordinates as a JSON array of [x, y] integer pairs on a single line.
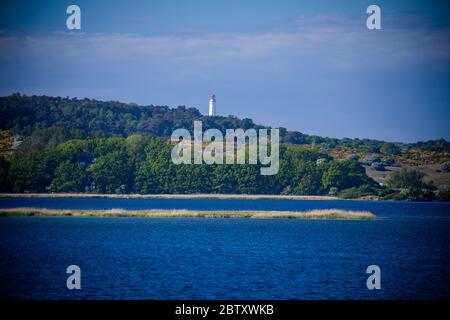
[[52, 144], [89, 118]]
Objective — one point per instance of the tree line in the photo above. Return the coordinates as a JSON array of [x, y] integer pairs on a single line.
[[90, 118], [142, 164]]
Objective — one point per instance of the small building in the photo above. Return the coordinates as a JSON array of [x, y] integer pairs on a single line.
[[212, 105]]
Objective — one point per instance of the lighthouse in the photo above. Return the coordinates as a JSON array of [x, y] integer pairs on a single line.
[[212, 105]]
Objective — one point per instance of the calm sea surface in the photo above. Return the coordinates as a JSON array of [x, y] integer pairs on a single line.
[[138, 258]]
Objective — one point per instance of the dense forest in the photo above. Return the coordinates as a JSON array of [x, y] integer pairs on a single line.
[[142, 164], [84, 145], [89, 118]]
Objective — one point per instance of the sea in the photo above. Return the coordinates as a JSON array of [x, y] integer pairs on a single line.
[[200, 258]]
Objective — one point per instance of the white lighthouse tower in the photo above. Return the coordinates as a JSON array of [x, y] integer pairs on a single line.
[[212, 105]]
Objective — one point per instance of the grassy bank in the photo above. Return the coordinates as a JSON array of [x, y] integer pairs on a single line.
[[309, 215], [164, 196]]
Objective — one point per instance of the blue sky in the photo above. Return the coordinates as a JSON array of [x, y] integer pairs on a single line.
[[310, 66]]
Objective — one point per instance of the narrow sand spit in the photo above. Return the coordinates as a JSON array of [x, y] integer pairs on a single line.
[[331, 214], [165, 196]]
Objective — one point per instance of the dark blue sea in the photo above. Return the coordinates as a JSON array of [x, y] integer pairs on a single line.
[[139, 258]]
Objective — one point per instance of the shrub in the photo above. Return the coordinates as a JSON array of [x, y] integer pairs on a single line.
[[358, 192], [406, 179], [390, 149]]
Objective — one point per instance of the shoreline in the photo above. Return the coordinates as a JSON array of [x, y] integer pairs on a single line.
[[323, 214], [168, 196]]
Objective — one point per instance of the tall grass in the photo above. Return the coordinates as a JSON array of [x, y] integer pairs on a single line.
[[156, 213]]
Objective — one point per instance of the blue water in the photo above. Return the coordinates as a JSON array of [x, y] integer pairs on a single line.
[[138, 258]]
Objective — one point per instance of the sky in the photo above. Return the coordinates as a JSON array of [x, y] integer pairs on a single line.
[[310, 66]]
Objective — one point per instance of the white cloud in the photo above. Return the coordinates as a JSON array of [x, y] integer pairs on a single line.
[[327, 41]]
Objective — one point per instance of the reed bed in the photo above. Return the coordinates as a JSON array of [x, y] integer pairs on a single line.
[[331, 214]]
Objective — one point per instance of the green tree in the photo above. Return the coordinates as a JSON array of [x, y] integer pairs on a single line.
[[146, 180], [390, 149], [69, 177], [223, 179], [247, 177], [406, 179], [112, 173], [135, 145], [412, 185], [191, 178], [156, 174], [31, 172], [344, 174], [310, 181]]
